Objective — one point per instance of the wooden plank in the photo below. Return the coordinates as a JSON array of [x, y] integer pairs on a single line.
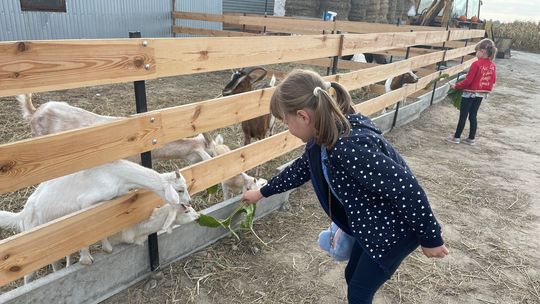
[[465, 34], [456, 53], [31, 161], [366, 27], [203, 175], [358, 79], [64, 64], [38, 247], [459, 68], [195, 55], [304, 23], [198, 16], [369, 43], [401, 52], [342, 64], [50, 65], [42, 245], [207, 32]]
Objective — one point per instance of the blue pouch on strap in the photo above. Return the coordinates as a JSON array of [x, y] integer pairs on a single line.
[[336, 242]]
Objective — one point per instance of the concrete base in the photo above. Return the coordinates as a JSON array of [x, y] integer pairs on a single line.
[[129, 264], [411, 111]]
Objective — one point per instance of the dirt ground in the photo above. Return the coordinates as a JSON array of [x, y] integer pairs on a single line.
[[485, 196]]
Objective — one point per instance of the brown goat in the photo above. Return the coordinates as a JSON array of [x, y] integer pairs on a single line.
[[397, 82], [243, 81]]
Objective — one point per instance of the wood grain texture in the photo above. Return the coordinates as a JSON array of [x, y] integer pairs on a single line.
[[207, 32], [33, 249], [42, 245], [50, 65], [31, 161]]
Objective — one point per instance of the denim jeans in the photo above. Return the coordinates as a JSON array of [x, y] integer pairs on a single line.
[[364, 276]]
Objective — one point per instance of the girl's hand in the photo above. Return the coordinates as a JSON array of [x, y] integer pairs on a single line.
[[252, 196], [437, 252], [453, 86]]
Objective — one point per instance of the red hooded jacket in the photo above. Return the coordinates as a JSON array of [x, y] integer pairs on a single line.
[[480, 78]]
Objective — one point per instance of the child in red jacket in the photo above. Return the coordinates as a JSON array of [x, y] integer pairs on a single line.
[[478, 83]]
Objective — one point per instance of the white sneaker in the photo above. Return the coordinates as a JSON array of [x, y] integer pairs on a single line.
[[452, 139]]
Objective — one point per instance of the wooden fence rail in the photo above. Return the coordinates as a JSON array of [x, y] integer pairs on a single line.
[[35, 66], [52, 65], [303, 26], [32, 161], [42, 245]]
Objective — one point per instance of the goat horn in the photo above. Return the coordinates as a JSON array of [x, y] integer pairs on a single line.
[[253, 69]]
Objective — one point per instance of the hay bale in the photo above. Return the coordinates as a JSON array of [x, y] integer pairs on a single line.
[[358, 10], [391, 16], [383, 11], [372, 11], [402, 8], [305, 8], [341, 7]]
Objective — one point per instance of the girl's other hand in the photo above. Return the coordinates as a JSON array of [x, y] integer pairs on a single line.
[[436, 252], [252, 196]]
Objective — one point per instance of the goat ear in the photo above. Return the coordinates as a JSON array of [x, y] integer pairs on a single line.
[[171, 196], [258, 78], [177, 173]]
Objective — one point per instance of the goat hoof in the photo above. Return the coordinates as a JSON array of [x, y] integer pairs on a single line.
[[107, 248], [86, 261]]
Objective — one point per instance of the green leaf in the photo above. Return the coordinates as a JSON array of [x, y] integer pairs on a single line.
[[245, 224], [208, 221], [250, 216], [455, 97], [212, 190]]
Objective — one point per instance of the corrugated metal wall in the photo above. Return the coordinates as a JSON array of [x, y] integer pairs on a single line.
[[249, 6], [199, 6], [97, 19]]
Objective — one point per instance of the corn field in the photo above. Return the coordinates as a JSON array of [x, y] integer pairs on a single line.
[[525, 34]]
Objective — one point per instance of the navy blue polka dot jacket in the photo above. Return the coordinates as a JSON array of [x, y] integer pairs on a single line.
[[382, 204]]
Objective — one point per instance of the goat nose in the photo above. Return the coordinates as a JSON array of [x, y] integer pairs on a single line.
[[185, 207]]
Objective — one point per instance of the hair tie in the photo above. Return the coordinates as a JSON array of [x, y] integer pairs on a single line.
[[327, 85], [316, 91]]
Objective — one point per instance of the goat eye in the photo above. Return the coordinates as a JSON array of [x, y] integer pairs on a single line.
[[181, 191]]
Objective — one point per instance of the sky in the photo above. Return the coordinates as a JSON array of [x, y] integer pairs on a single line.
[[510, 10]]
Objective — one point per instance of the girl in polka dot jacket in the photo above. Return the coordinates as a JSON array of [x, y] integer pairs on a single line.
[[362, 183]]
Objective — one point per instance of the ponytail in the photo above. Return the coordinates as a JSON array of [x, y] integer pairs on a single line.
[[488, 45], [307, 89], [330, 122]]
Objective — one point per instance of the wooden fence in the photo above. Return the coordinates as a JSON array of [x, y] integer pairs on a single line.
[[34, 66]]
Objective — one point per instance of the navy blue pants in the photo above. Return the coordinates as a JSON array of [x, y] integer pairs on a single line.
[[364, 276], [469, 107]]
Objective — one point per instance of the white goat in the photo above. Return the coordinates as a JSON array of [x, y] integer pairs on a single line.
[[53, 117], [241, 182], [67, 194]]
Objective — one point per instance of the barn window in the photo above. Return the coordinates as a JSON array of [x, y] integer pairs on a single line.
[[44, 5]]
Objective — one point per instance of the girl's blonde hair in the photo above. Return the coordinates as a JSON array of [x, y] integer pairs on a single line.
[[489, 46], [307, 89]]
